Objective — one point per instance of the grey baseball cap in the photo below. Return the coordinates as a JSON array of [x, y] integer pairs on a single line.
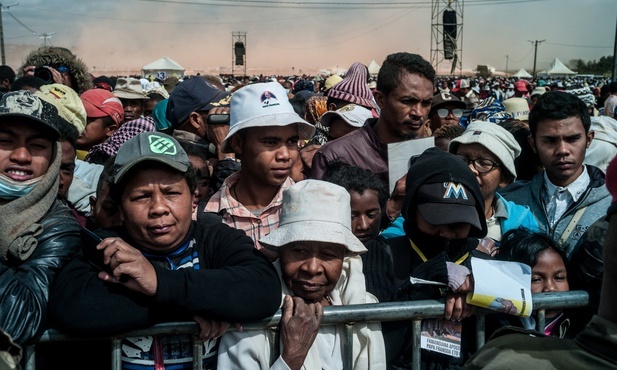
[[150, 146], [24, 105]]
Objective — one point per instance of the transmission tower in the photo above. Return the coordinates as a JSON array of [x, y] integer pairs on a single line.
[[238, 51], [447, 35]]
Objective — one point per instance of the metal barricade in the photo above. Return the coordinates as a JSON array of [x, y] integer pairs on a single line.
[[333, 315]]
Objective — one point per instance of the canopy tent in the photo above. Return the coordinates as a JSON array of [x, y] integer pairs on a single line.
[[373, 68], [557, 69], [522, 73], [162, 68]]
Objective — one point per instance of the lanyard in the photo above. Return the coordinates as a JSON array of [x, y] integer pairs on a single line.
[[424, 259]]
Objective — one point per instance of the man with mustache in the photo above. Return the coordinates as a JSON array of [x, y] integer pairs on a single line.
[[568, 196], [404, 95]]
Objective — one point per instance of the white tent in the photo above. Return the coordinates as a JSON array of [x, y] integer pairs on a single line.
[[557, 69], [163, 68], [522, 73], [373, 68]]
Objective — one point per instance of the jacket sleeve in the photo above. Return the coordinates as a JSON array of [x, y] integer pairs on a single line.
[[236, 284], [319, 166], [24, 287]]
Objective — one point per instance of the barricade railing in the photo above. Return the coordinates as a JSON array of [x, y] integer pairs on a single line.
[[333, 315]]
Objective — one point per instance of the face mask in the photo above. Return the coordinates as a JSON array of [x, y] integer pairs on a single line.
[[286, 91], [11, 189]]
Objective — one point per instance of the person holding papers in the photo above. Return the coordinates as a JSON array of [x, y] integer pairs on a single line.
[[444, 217]]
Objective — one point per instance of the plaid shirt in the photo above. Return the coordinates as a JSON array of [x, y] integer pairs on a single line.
[[126, 131], [237, 216]]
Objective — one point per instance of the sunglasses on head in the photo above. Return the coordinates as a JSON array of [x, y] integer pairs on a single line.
[[444, 112]]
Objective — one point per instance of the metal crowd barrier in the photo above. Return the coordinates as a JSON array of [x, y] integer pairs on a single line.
[[333, 315]]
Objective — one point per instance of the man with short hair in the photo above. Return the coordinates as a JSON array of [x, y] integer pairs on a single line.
[[264, 135], [39, 234], [568, 196], [404, 95]]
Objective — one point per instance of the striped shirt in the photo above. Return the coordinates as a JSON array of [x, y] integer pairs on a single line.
[[237, 216]]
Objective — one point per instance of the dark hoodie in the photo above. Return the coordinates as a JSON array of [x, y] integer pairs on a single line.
[[54, 56], [390, 263]]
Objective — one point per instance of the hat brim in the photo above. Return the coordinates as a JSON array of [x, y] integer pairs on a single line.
[[130, 95], [214, 102], [449, 213], [39, 122], [305, 129], [119, 175], [329, 232]]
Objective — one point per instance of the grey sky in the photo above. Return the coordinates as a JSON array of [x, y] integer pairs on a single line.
[[131, 33]]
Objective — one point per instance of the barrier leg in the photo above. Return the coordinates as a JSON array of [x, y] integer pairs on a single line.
[[348, 347], [116, 354], [415, 355], [198, 353], [541, 320], [480, 330]]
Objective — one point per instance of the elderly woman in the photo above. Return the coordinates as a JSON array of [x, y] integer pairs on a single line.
[[490, 150], [319, 266]]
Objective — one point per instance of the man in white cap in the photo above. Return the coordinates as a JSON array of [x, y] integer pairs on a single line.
[[264, 134], [345, 120]]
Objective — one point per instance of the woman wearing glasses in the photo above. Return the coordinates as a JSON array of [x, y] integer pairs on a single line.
[[490, 151]]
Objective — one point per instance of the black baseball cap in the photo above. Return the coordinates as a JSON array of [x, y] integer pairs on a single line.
[[447, 203]]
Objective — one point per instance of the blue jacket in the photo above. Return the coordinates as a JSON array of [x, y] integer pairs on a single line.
[[518, 216]]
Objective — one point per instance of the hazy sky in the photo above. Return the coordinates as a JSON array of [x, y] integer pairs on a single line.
[[282, 34]]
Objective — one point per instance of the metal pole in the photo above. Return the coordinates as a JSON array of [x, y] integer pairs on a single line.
[[535, 55], [507, 60], [614, 54], [415, 335], [2, 37], [348, 347]]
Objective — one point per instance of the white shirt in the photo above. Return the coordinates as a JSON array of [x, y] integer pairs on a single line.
[[558, 199]]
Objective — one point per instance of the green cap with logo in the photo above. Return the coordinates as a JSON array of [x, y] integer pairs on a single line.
[[150, 146]]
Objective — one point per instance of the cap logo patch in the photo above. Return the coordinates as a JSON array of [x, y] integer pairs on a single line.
[[268, 99], [161, 145], [223, 102], [446, 96], [454, 190], [477, 132]]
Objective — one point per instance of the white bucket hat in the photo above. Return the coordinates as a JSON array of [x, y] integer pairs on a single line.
[[262, 105], [354, 115], [315, 210]]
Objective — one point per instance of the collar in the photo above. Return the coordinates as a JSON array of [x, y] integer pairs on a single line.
[[576, 188], [500, 208], [228, 202]]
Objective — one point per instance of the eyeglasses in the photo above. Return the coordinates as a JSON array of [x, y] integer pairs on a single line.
[[444, 112], [482, 165]]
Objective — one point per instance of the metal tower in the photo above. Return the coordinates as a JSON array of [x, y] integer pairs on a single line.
[[447, 36], [238, 52]]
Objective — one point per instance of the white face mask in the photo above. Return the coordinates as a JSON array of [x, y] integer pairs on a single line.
[[11, 189]]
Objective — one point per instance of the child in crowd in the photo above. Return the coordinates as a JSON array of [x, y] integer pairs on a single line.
[[548, 274]]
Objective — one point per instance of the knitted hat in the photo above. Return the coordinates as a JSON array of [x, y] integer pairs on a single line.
[[353, 87], [583, 93], [67, 102], [263, 105], [518, 107], [100, 103], [495, 138]]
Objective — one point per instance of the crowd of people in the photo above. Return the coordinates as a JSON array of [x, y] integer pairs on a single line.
[[132, 202]]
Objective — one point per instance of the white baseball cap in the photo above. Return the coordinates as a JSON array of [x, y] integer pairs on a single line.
[[353, 114]]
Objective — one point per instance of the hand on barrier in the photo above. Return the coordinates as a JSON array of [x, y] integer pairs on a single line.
[[299, 326]]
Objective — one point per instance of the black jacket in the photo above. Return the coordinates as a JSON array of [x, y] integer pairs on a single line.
[[24, 286], [235, 283]]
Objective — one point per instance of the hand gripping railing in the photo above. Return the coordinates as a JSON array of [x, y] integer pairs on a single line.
[[347, 315]]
